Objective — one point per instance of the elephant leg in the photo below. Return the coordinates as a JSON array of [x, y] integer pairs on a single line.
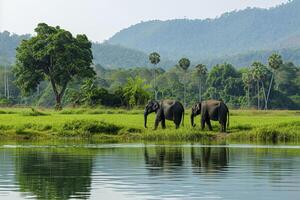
[[224, 126], [163, 123], [156, 123], [208, 124], [202, 123]]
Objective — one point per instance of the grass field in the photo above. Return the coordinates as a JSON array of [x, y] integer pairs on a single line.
[[117, 124]]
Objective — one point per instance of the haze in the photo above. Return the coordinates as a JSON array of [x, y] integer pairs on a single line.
[[103, 18]]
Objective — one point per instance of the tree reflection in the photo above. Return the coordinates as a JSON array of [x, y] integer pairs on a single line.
[[161, 158], [52, 175], [208, 159]]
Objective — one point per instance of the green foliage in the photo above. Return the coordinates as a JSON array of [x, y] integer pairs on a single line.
[[54, 55], [201, 70], [184, 64], [89, 127], [90, 94], [154, 58], [275, 61], [5, 102], [135, 91], [225, 83], [34, 112]]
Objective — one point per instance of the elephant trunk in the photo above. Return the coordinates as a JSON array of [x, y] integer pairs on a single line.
[[192, 120], [145, 119]]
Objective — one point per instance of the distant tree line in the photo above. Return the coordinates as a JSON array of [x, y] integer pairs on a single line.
[[54, 68], [272, 86]]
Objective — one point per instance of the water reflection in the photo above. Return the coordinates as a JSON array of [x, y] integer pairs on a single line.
[[161, 158], [54, 175], [208, 159], [149, 172]]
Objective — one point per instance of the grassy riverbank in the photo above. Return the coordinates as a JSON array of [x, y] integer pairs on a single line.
[[123, 125]]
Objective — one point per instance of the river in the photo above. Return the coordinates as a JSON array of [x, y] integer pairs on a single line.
[[149, 171]]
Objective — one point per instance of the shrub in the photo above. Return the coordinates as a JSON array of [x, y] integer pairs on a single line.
[[33, 112], [89, 127]]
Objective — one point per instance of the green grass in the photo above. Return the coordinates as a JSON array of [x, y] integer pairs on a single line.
[[127, 125]]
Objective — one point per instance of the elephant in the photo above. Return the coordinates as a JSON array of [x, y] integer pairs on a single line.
[[211, 110], [165, 110]]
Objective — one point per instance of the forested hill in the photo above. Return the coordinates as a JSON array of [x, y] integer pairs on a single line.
[[236, 32], [109, 56], [115, 56], [8, 45], [246, 59]]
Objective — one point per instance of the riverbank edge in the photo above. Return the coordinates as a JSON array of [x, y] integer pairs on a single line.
[[264, 134]]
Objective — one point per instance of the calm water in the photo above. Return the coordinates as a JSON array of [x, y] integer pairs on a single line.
[[140, 171]]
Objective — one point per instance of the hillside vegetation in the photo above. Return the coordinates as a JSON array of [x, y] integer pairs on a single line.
[[233, 33], [116, 56], [238, 37]]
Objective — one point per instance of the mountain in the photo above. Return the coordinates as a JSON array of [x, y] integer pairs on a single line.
[[116, 56], [109, 56], [246, 59], [8, 45], [238, 37], [237, 32]]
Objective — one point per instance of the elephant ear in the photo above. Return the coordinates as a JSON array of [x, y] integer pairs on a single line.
[[155, 106], [194, 107], [198, 106]]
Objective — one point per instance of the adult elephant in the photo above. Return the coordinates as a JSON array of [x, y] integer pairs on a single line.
[[165, 110], [211, 110]]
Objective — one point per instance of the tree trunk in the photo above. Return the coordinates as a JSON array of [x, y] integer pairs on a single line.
[[58, 105], [184, 102], [200, 90], [58, 95], [269, 91], [265, 96], [248, 96], [5, 82], [7, 88], [154, 84], [258, 100]]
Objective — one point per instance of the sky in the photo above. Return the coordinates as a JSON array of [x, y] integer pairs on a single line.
[[101, 19]]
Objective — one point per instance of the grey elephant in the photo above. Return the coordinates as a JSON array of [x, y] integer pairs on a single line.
[[165, 110], [211, 110]]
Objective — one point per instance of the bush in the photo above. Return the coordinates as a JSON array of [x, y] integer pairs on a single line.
[[33, 112], [5, 102], [88, 127]]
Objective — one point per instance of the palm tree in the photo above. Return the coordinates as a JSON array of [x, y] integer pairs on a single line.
[[275, 61], [201, 72], [258, 74], [247, 79], [154, 58], [184, 64]]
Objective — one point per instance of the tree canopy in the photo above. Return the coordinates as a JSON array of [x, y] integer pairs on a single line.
[[53, 55]]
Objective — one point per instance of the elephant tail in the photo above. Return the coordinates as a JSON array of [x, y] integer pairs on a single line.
[[228, 118]]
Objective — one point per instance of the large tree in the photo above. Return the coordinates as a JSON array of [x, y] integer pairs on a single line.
[[53, 55], [154, 58], [184, 64]]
